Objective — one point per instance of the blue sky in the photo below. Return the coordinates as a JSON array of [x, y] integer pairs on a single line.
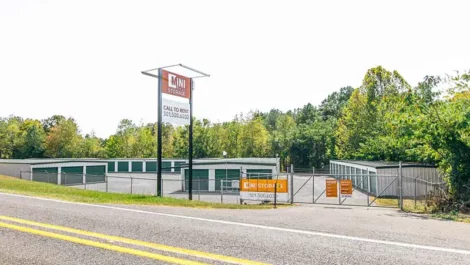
[[83, 58]]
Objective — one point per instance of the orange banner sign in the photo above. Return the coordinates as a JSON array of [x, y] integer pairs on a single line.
[[263, 185], [176, 85], [346, 188], [331, 188]]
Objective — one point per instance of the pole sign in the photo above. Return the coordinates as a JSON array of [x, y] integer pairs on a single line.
[[331, 188], [176, 85], [175, 112], [263, 189], [346, 188]]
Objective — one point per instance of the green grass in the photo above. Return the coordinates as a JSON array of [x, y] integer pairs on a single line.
[[422, 208], [45, 190]]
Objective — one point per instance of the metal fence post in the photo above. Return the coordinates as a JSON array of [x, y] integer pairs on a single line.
[[401, 186], [313, 184], [292, 183], [415, 190], [339, 191], [107, 179], [221, 192], [240, 183], [131, 184], [198, 188], [368, 187], [275, 194], [426, 194]]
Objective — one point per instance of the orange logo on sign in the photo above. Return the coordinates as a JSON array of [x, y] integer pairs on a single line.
[[176, 85], [263, 185]]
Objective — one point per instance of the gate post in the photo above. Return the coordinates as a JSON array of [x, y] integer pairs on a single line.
[[313, 184], [292, 184], [400, 202], [368, 187], [339, 191]]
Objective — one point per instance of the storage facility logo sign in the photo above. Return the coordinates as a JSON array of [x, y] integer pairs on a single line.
[[176, 85], [264, 189]]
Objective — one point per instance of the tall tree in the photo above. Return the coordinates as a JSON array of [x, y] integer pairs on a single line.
[[34, 139], [63, 140], [254, 139]]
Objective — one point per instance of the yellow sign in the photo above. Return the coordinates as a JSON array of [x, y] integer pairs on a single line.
[[331, 188], [346, 188], [263, 185]]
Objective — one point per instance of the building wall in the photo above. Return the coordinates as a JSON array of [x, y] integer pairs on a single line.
[[74, 178], [143, 165], [416, 180], [13, 170], [212, 168]]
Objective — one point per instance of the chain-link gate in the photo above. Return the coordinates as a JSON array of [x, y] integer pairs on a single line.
[[365, 189]]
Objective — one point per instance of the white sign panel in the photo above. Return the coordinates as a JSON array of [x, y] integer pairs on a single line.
[[263, 196], [175, 112]]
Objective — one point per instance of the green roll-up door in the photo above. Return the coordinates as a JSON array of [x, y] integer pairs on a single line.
[[95, 174], [166, 166], [111, 167], [151, 166], [137, 166], [72, 170], [72, 175], [230, 174], [123, 166], [96, 170], [45, 174], [200, 179], [178, 166], [263, 175]]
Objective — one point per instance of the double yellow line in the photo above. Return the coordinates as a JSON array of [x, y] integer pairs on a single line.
[[109, 238]]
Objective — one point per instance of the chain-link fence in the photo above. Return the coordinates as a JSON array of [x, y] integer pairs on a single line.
[[368, 188]]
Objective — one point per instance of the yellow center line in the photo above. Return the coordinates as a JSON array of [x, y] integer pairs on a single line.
[[101, 245], [134, 242]]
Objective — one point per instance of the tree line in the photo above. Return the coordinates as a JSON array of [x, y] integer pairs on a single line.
[[385, 118]]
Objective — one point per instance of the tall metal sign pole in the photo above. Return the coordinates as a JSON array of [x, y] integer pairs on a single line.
[[159, 135], [175, 112], [190, 156]]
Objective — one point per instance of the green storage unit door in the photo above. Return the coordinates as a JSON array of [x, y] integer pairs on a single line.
[[151, 166], [96, 170], [95, 174], [230, 174], [252, 173], [72, 175], [111, 167], [198, 174], [137, 166], [72, 170], [46, 174], [166, 166], [178, 166], [123, 166]]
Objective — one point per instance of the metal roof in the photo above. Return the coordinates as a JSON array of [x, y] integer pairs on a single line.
[[383, 164], [244, 161], [38, 161]]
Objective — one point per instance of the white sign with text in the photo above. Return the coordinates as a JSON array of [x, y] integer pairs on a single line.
[[175, 112]]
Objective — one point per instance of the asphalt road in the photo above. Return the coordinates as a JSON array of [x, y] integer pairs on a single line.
[[38, 231]]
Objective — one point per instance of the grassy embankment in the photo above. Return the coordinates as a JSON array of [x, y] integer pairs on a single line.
[[422, 208], [45, 190]]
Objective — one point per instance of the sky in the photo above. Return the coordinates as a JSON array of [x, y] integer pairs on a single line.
[[83, 59]]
